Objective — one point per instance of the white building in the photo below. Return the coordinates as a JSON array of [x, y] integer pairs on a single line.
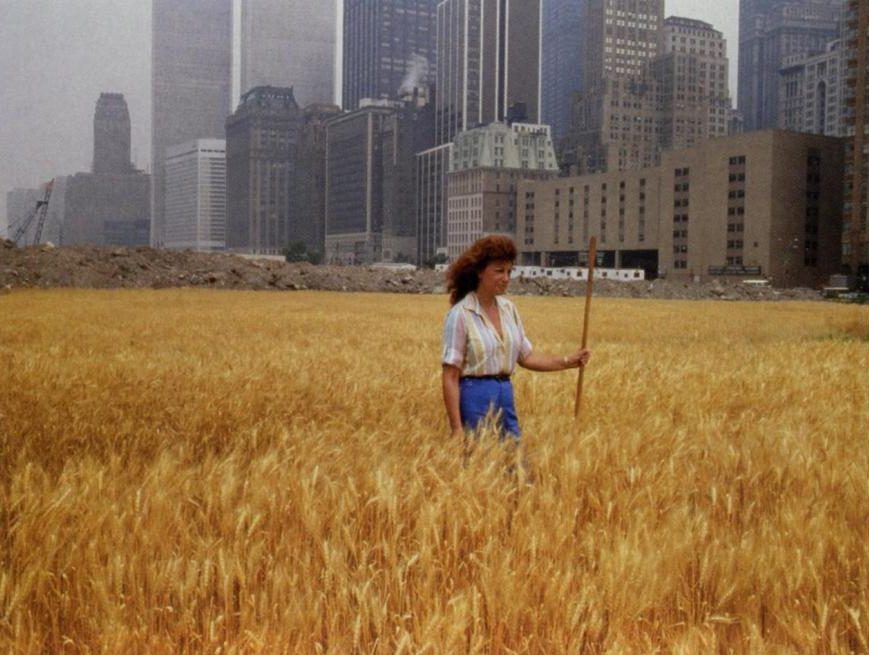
[[196, 195], [499, 145]]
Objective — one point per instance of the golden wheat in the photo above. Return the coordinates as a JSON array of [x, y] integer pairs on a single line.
[[199, 471]]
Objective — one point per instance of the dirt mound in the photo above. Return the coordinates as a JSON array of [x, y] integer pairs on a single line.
[[106, 268]]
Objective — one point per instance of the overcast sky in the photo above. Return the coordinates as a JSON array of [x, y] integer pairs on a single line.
[[56, 56]]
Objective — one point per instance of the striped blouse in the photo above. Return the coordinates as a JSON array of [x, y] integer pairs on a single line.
[[472, 343]]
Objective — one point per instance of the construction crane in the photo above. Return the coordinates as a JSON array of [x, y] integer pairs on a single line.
[[39, 214]]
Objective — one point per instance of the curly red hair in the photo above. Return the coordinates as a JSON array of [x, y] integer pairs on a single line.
[[463, 274]]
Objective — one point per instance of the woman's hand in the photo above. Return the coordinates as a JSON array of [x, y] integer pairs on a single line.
[[577, 359]]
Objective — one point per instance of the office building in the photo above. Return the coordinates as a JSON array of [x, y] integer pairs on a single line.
[[389, 48], [310, 181], [406, 132], [431, 169], [561, 66], [289, 43], [111, 135], [770, 32], [621, 37], [855, 238], [615, 122], [107, 210], [196, 195], [693, 70], [262, 137], [354, 184], [810, 92], [556, 219], [191, 62], [111, 205], [489, 71], [637, 108], [487, 163], [488, 61], [759, 205]]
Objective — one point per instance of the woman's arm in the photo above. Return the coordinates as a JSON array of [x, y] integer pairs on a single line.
[[450, 383], [535, 361]]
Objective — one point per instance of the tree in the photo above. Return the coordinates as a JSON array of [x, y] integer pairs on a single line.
[[298, 251]]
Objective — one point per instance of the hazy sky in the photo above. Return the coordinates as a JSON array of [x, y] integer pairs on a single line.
[[56, 56]]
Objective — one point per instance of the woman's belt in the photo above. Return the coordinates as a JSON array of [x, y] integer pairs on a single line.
[[500, 378]]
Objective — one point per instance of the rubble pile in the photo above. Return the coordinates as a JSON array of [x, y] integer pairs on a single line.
[[107, 267]]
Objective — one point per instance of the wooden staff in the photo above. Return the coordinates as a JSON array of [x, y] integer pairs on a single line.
[[592, 257]]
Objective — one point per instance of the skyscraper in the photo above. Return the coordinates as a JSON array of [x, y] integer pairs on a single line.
[[389, 47], [621, 36], [810, 92], [855, 238], [354, 184], [111, 135], [561, 69], [289, 43], [693, 70], [191, 63], [616, 122], [196, 195], [771, 32], [261, 153], [111, 205], [488, 61]]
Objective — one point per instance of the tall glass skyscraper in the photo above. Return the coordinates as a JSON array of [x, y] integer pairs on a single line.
[[488, 61], [389, 47], [289, 43], [191, 77], [561, 70]]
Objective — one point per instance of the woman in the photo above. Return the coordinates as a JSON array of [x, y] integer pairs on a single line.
[[484, 340]]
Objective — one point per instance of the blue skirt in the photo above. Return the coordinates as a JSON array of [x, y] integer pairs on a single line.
[[482, 397]]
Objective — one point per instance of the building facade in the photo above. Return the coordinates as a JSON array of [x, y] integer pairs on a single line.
[[771, 33], [262, 136], [431, 170], [196, 195], [810, 92], [290, 43], [310, 182], [408, 131], [855, 239], [487, 164], [111, 205], [668, 91], [191, 63], [693, 70], [389, 48], [489, 58], [760, 205], [557, 217], [561, 66], [111, 135], [615, 122], [107, 210], [354, 184]]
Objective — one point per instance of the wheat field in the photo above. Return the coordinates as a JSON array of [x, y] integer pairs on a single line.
[[196, 471]]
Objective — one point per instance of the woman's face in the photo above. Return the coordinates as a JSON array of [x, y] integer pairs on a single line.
[[495, 277]]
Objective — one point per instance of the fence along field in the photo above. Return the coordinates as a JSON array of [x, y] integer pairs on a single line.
[[200, 471]]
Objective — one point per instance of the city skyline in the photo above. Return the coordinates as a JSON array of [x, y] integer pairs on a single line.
[[48, 94]]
